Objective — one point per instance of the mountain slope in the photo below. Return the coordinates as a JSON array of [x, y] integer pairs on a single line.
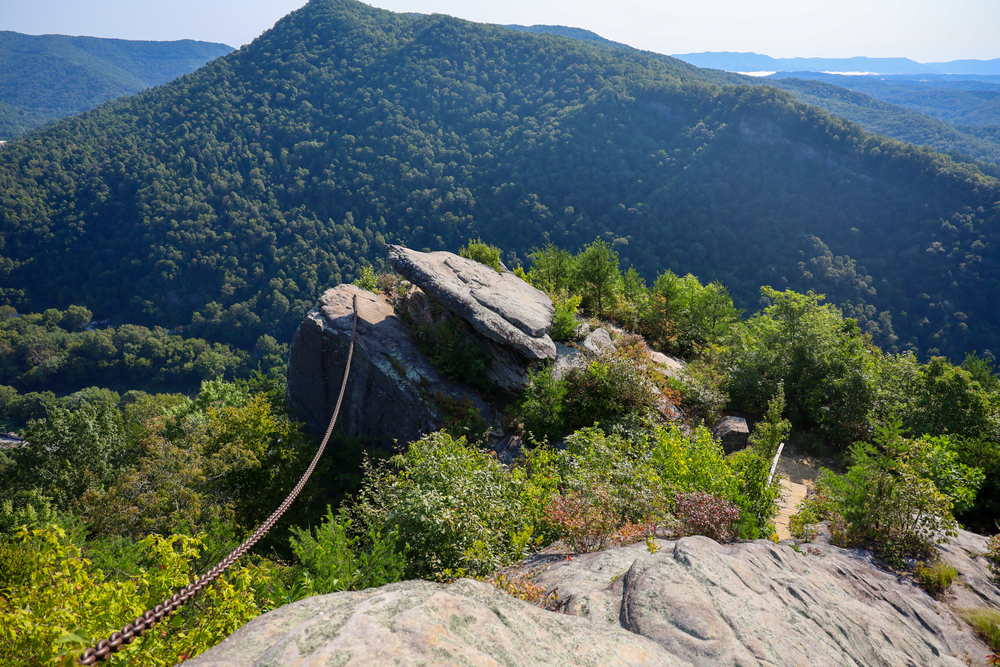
[[46, 77], [229, 198]]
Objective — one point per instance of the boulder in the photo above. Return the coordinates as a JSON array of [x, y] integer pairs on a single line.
[[422, 623], [390, 396], [512, 317], [670, 365], [598, 341], [758, 603], [691, 602], [732, 432]]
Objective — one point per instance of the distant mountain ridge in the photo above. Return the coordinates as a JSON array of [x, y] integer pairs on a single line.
[[46, 77], [755, 62], [230, 197]]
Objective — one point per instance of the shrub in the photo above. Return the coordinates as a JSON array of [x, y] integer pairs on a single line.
[[614, 383], [367, 280], [540, 413], [453, 351], [338, 559], [934, 576], [483, 253], [705, 514], [589, 521], [456, 506], [523, 588], [887, 502], [699, 388], [564, 324], [993, 556], [63, 602]]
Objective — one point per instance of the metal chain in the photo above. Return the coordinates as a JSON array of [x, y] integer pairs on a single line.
[[103, 649]]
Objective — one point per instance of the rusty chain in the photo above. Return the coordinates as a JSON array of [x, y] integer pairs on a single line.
[[103, 649]]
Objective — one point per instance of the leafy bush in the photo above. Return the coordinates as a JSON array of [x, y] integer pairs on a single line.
[[340, 560], [993, 556], [456, 506], [564, 324], [704, 514], [934, 576], [589, 521], [453, 352], [523, 588], [699, 388], [614, 383], [540, 412], [367, 280], [887, 500], [61, 603], [483, 253]]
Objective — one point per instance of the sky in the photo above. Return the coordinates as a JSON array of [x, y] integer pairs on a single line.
[[922, 30]]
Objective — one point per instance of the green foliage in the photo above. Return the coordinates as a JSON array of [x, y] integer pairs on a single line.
[[993, 556], [552, 269], [69, 453], [367, 280], [770, 433], [483, 253], [59, 603], [462, 418], [685, 316], [597, 274], [455, 505], [591, 520], [611, 385], [934, 576], [338, 559], [540, 412], [564, 323], [822, 361], [454, 352], [887, 499]]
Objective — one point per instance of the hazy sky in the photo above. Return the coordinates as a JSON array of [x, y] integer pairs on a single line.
[[924, 30]]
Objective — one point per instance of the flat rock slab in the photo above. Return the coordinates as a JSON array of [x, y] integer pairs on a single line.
[[390, 396], [758, 603], [500, 306], [423, 623]]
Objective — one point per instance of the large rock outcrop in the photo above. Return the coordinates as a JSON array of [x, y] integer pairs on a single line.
[[511, 317], [694, 602], [392, 391]]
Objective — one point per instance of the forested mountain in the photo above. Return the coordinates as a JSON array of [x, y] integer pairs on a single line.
[[231, 197], [45, 77], [904, 120], [756, 62]]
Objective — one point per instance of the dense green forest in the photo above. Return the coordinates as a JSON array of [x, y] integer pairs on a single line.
[[47, 77], [113, 505], [228, 199]]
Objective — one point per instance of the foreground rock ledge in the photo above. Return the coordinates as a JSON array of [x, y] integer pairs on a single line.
[[693, 603]]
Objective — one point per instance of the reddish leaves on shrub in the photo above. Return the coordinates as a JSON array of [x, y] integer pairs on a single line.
[[589, 522], [704, 514]]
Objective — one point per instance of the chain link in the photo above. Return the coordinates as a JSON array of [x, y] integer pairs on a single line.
[[103, 649]]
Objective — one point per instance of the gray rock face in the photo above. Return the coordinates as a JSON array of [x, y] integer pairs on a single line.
[[501, 307], [759, 603], [598, 341], [732, 432], [389, 396], [695, 603], [423, 623]]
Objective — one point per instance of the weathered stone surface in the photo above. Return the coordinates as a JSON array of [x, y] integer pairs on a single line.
[[598, 341], [423, 623], [670, 365], [759, 603], [389, 396], [694, 602], [732, 432], [500, 306], [508, 449]]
